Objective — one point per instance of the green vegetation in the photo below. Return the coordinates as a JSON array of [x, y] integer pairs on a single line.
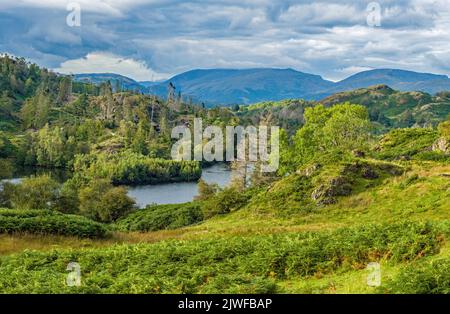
[[237, 264], [159, 217], [394, 109], [46, 222], [427, 277], [406, 143], [132, 168], [97, 199], [102, 202], [351, 189]]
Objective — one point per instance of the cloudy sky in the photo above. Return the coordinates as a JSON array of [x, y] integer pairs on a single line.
[[154, 39]]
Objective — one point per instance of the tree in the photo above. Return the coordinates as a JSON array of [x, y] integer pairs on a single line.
[[114, 204], [65, 90], [35, 112], [80, 105], [343, 127], [41, 192], [444, 129], [139, 143], [205, 190], [103, 202]]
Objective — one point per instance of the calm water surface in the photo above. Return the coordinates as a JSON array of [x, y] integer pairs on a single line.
[[182, 192], [164, 193]]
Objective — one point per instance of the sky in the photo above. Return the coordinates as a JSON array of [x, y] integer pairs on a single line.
[[155, 39]]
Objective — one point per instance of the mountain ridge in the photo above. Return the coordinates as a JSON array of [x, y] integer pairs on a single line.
[[245, 86]]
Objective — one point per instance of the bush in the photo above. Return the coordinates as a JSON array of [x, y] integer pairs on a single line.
[[49, 222], [230, 198], [431, 277], [102, 202], [233, 264], [206, 190], [41, 192], [160, 217]]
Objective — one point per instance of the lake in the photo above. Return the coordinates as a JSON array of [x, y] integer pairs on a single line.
[[180, 192], [164, 193]]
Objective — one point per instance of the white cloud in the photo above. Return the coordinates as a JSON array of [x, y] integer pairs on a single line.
[[101, 62]]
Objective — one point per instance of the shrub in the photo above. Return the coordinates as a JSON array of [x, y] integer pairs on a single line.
[[230, 198], [41, 192], [103, 202], [430, 277], [206, 190], [49, 222], [160, 217]]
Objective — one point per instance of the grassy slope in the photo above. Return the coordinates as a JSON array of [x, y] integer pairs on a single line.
[[422, 193]]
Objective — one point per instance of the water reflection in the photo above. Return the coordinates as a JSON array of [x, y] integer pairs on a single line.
[[182, 192]]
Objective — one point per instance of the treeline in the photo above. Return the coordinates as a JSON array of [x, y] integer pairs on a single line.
[[132, 168]]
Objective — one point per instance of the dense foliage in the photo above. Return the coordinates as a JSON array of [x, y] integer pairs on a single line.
[[427, 277], [46, 222], [96, 199], [133, 168], [159, 217], [342, 168]]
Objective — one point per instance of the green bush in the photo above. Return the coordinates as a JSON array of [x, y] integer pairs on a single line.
[[101, 201], [40, 192], [428, 277], [232, 264], [160, 217], [49, 222], [225, 201]]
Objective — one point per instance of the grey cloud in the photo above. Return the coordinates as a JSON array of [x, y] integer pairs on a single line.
[[323, 37]]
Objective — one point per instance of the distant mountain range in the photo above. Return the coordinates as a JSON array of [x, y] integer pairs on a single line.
[[233, 86]]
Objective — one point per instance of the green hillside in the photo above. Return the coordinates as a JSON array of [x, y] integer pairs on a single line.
[[397, 109]]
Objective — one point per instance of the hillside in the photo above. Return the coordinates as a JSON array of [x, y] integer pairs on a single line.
[[395, 108], [117, 81], [312, 231]]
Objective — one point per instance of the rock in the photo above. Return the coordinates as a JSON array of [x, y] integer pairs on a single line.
[[368, 173], [309, 171], [358, 153], [442, 145], [325, 194]]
